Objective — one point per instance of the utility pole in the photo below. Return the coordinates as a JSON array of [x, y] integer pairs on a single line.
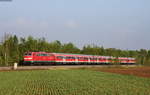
[[6, 36], [5, 58]]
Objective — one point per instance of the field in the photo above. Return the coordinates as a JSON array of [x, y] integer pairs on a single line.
[[142, 71], [71, 82]]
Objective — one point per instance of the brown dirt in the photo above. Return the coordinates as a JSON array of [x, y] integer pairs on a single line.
[[137, 71], [141, 71]]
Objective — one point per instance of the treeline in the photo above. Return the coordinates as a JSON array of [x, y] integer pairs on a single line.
[[13, 48]]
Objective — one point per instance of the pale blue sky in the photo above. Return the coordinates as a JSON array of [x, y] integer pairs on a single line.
[[121, 24]]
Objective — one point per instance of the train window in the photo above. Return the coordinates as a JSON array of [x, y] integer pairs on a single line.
[[45, 55], [85, 58], [28, 54], [49, 55], [67, 57], [91, 58], [70, 57], [94, 58], [42, 54], [38, 54], [82, 58], [59, 57]]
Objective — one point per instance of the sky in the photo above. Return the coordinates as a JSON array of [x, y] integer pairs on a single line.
[[122, 24]]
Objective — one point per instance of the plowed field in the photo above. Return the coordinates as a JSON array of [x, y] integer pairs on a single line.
[[137, 71]]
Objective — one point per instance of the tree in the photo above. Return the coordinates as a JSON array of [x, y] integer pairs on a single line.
[[142, 55], [55, 46], [69, 48], [94, 50], [12, 49]]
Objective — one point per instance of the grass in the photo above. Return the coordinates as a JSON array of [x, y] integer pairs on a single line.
[[71, 82]]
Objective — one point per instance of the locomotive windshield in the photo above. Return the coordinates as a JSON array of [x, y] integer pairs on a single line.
[[28, 54]]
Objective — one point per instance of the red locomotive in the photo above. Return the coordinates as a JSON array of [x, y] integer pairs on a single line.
[[64, 58]]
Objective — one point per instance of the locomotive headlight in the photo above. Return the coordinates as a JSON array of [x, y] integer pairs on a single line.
[[27, 58]]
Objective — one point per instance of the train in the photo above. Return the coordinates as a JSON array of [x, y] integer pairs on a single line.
[[46, 58]]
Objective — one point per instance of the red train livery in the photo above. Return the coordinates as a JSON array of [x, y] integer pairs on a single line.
[[64, 58]]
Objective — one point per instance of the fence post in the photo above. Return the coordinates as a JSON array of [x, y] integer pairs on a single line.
[[15, 66]]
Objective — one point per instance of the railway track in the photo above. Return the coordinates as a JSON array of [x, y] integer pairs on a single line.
[[60, 67]]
